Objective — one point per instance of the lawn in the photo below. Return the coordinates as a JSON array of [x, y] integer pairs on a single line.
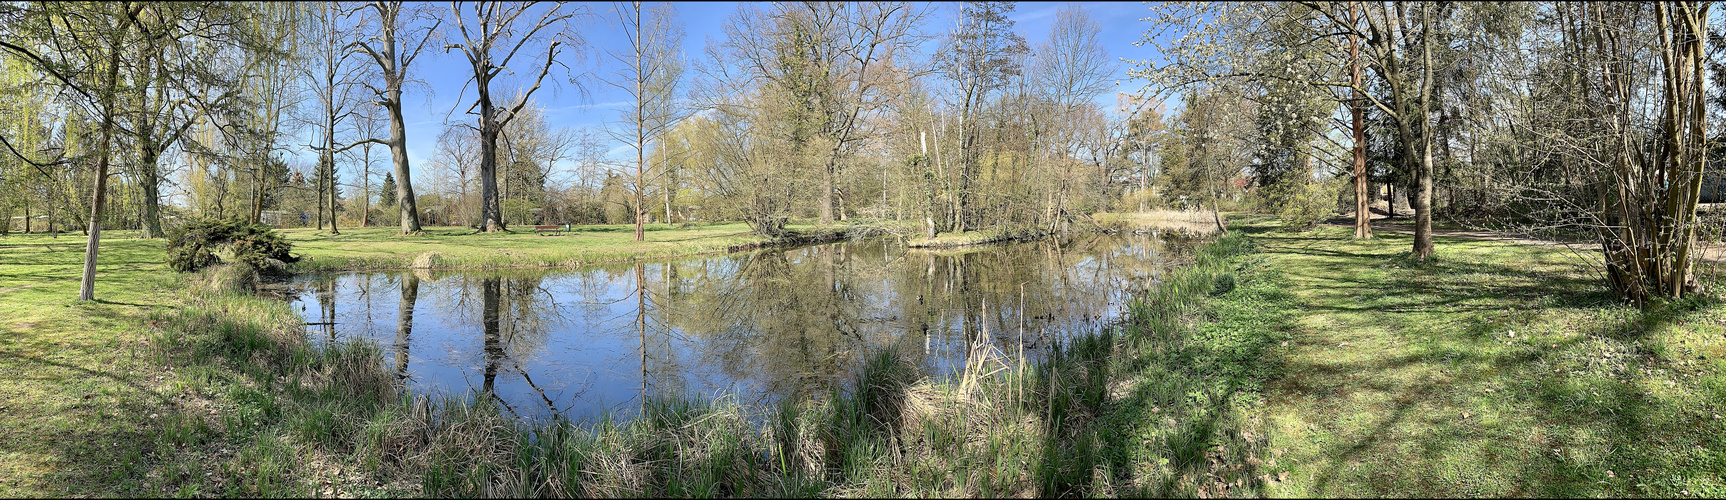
[[460, 247], [1497, 369], [1280, 363], [92, 405], [78, 387]]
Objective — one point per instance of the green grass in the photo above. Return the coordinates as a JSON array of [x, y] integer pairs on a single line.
[[460, 247], [76, 388], [1495, 369], [159, 386], [1273, 364]]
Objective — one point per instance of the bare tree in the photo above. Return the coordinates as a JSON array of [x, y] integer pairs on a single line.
[[652, 66], [389, 47], [979, 57], [1357, 128], [332, 76], [367, 123], [490, 30], [1072, 68]]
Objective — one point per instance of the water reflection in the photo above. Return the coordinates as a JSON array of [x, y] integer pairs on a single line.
[[761, 325]]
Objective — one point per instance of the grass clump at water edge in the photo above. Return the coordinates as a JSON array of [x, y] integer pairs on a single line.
[[260, 411]]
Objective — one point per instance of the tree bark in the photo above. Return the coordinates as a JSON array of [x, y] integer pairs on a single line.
[[87, 286], [150, 178], [1423, 177], [410, 219], [1362, 195], [490, 214]]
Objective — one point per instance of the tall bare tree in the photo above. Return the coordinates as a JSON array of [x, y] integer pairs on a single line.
[[980, 56], [399, 33], [1073, 68], [493, 33], [332, 77], [651, 67]]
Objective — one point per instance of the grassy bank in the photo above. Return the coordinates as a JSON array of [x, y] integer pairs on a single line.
[[1273, 364], [1199, 222], [99, 397], [376, 248], [193, 390], [979, 237], [78, 385]]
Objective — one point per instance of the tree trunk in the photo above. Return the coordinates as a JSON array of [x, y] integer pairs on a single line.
[[1217, 214], [827, 192], [87, 287], [330, 160], [1423, 176], [366, 186], [640, 148], [257, 196], [1362, 195], [150, 179], [405, 201], [490, 213]]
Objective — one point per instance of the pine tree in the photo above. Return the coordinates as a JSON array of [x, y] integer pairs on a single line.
[[387, 196]]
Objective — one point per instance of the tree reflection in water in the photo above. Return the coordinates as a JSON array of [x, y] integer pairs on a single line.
[[762, 325]]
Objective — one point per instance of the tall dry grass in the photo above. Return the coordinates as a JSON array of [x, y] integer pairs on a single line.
[[1196, 222]]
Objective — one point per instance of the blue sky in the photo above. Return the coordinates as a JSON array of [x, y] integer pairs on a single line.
[[446, 73]]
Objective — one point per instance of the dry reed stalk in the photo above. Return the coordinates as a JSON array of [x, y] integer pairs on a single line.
[[1200, 222]]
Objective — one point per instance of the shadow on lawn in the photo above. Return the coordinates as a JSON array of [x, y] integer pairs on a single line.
[[1415, 403]]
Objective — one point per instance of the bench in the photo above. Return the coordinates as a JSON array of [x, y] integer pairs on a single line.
[[547, 228]]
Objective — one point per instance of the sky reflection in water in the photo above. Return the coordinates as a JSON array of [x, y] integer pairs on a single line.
[[760, 326]]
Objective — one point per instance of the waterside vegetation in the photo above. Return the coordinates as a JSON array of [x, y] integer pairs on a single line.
[[460, 248], [1243, 374]]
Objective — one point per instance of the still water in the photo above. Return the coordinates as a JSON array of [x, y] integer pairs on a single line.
[[760, 326]]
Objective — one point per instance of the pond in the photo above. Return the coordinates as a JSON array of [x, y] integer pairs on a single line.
[[763, 325]]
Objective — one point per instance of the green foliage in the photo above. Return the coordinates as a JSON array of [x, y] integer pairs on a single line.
[[193, 246], [521, 211], [387, 192], [1301, 205]]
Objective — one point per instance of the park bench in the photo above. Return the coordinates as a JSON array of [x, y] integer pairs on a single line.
[[553, 227]]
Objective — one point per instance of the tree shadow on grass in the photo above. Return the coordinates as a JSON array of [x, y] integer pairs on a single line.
[[98, 436], [1543, 390]]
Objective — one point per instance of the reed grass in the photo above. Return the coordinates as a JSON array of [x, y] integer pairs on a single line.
[[1196, 222]]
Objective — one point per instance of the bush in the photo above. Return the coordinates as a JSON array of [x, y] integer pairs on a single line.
[[193, 246], [1301, 205]]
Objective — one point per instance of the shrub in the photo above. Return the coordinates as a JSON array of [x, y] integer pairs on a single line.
[[193, 246], [1301, 205]]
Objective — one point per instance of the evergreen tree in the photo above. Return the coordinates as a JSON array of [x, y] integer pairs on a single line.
[[387, 196]]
